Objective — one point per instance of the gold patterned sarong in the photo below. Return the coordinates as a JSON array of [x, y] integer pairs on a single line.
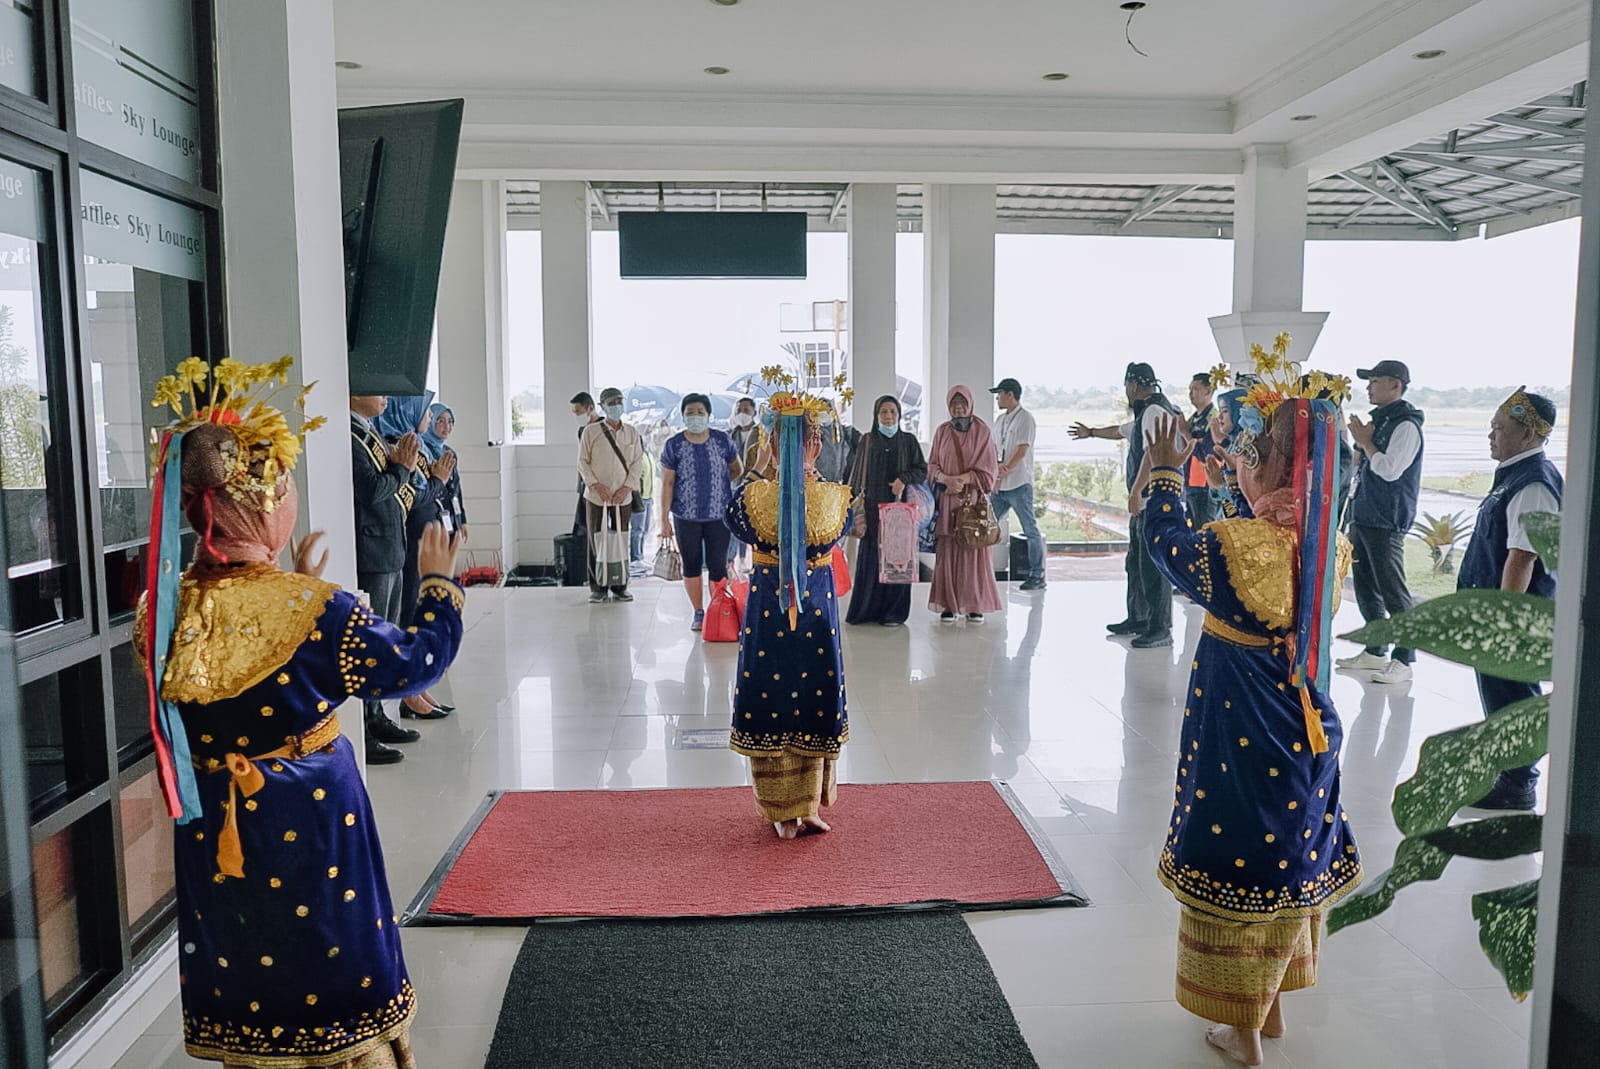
[[1230, 971], [395, 1053], [791, 786]]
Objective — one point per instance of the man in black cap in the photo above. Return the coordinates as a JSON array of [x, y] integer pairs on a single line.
[[1149, 617], [1501, 556], [1382, 510], [1015, 432]]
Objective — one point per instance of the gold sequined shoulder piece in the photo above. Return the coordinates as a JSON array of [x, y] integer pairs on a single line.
[[1260, 557], [235, 631], [141, 632], [826, 506], [1342, 556]]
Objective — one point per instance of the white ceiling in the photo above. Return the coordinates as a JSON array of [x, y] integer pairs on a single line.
[[1196, 49]]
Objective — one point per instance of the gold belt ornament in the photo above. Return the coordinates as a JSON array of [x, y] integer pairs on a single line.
[[771, 559], [1229, 633], [247, 779]]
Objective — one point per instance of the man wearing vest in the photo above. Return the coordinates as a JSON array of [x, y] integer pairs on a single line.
[[1500, 555], [1197, 495], [1382, 510], [381, 477], [1149, 617]]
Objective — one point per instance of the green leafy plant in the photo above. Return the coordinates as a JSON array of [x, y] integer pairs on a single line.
[[1442, 534], [1500, 633]]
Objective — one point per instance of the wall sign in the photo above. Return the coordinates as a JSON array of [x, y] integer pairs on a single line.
[[129, 226]]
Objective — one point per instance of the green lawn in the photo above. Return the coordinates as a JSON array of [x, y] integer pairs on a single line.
[[1474, 484], [1423, 581], [1059, 528]]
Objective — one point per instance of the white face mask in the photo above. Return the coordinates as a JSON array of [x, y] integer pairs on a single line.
[[582, 419], [614, 411], [696, 424], [743, 419], [825, 419]]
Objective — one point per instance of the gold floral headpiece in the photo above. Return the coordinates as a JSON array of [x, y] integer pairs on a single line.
[[1280, 379], [239, 396], [788, 401], [1221, 375], [1519, 406]]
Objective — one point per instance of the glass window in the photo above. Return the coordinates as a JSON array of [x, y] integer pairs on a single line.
[[40, 538], [136, 81], [130, 705], [71, 897], [19, 47], [63, 735], [145, 311], [525, 335], [147, 861]]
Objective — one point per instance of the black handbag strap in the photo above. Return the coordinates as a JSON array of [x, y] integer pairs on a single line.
[[614, 448]]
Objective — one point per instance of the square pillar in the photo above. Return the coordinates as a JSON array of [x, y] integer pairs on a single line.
[[1269, 242], [872, 297], [958, 223], [277, 120], [564, 253], [473, 360]]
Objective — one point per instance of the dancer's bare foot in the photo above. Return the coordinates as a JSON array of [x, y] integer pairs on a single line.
[[1275, 1028], [786, 829], [1243, 1045], [816, 824]]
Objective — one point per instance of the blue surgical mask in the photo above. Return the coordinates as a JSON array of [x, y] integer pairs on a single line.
[[890, 431], [614, 411], [696, 424]]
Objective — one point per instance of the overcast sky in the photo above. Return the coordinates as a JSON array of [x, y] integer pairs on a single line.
[[1073, 310]]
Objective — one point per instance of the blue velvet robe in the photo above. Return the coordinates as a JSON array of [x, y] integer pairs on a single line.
[[1257, 831], [298, 962], [789, 695]]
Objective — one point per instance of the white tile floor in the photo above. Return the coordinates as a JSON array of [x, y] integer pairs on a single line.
[[556, 693]]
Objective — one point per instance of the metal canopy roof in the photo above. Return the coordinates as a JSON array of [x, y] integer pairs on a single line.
[[1514, 170]]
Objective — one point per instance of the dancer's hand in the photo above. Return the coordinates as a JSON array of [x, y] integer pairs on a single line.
[[436, 553], [304, 561], [1167, 445]]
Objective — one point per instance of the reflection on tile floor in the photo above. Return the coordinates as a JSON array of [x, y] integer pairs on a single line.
[[556, 693]]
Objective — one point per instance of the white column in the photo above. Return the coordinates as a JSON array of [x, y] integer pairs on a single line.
[[958, 223], [872, 287], [1269, 247], [277, 119], [473, 358], [564, 252]]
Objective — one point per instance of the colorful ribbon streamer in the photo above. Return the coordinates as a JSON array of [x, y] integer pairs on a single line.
[[174, 765]]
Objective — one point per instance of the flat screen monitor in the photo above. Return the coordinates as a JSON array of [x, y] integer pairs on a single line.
[[712, 244], [396, 166]]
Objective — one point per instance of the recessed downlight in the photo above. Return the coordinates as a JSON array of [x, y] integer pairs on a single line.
[[347, 64], [1301, 118], [1055, 76], [716, 70], [1428, 53], [725, 3]]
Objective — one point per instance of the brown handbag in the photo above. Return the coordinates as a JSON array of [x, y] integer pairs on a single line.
[[858, 503], [973, 525]]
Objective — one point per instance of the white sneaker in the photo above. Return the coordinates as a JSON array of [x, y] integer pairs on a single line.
[[1363, 662], [1393, 672]]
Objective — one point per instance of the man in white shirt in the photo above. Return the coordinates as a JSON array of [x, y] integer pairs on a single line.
[[610, 463], [1501, 555], [1015, 432], [1382, 510]]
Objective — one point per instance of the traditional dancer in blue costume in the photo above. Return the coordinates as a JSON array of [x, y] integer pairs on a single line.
[[1258, 846], [289, 944], [789, 713]]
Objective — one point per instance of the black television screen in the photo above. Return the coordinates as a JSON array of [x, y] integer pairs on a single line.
[[712, 244], [396, 166]]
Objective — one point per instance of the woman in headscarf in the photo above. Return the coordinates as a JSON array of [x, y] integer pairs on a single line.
[[430, 480], [1258, 846], [789, 713], [435, 442], [289, 947], [963, 461], [886, 463]]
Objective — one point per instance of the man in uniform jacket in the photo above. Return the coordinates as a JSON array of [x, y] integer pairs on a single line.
[[381, 478], [1382, 510]]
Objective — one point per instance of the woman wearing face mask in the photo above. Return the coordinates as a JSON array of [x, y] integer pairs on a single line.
[[963, 461], [886, 463], [838, 447], [697, 469]]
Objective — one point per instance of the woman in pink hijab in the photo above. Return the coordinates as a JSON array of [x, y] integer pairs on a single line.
[[963, 460]]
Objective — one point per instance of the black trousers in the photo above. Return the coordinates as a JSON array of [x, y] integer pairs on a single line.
[[1149, 592], [1199, 506], [1496, 694], [385, 590], [620, 518], [1380, 576]]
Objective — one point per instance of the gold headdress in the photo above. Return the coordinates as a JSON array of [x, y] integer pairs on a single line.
[[1221, 375], [1279, 379], [1520, 407], [238, 396], [791, 402]]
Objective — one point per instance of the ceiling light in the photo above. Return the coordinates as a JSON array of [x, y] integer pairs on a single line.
[[725, 3], [1055, 76], [347, 65], [716, 70], [1301, 118], [1428, 53]]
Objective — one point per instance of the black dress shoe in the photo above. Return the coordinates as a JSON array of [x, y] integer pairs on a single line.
[[385, 730], [1508, 799], [438, 712], [443, 708], [1125, 627], [379, 754]]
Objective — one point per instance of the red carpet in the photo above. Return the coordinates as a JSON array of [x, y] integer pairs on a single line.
[[706, 853]]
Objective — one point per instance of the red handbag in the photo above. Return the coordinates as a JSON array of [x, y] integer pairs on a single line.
[[841, 573], [723, 616]]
